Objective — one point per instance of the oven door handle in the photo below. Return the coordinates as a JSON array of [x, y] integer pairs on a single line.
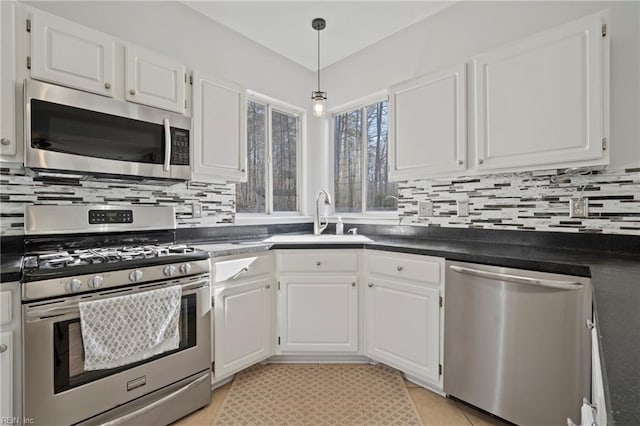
[[167, 143], [132, 415], [72, 308]]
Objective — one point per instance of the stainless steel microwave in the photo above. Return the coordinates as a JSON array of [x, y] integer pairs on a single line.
[[70, 130]]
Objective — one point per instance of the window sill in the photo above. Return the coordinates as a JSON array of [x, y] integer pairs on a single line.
[[379, 218], [262, 219]]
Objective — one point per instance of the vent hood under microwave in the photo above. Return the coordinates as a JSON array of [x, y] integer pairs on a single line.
[[70, 130]]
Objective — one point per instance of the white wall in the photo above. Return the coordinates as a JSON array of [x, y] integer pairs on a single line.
[[470, 28], [177, 31]]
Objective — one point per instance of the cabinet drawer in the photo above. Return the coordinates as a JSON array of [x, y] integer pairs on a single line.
[[319, 261], [406, 266], [227, 270]]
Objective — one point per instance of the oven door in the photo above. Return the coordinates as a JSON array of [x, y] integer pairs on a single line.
[[67, 129], [57, 388]]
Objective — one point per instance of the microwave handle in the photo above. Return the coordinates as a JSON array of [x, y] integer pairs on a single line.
[[167, 144]]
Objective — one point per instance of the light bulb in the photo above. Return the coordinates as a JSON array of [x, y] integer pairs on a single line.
[[318, 107]]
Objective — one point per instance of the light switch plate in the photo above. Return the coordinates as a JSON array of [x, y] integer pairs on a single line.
[[425, 208], [463, 208], [196, 209], [579, 207]]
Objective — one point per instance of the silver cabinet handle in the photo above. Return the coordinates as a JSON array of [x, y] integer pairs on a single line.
[[480, 161], [353, 284], [241, 271], [318, 263], [370, 285], [399, 268], [560, 285], [132, 92], [167, 143], [107, 85], [460, 162], [127, 417], [3, 348], [268, 286], [5, 141]]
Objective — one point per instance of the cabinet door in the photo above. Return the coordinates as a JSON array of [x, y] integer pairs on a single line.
[[318, 314], [540, 102], [154, 80], [6, 372], [403, 327], [427, 125], [242, 325], [65, 53], [219, 130], [8, 141]]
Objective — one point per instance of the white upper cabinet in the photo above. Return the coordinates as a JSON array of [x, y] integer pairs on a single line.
[[427, 125], [65, 53], [541, 102], [219, 130], [8, 141], [154, 80]]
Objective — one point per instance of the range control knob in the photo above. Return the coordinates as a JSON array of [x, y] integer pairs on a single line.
[[169, 271], [74, 285], [185, 268], [95, 282], [135, 276]]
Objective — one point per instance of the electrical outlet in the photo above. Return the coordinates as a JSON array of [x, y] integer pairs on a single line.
[[578, 207], [425, 208], [463, 208], [196, 209]]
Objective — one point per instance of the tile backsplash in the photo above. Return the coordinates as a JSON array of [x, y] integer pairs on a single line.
[[525, 201], [18, 188]]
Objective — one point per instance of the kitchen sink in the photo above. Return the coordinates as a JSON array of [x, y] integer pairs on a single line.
[[318, 239]]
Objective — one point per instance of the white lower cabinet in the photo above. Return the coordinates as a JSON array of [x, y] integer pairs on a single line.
[[318, 313], [403, 327], [403, 317], [243, 319], [6, 372]]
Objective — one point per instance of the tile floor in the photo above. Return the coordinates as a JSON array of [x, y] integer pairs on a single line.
[[434, 410]]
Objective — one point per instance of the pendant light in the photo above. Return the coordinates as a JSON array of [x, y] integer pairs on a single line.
[[318, 97]]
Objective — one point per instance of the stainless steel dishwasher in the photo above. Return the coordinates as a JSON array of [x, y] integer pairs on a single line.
[[517, 343]]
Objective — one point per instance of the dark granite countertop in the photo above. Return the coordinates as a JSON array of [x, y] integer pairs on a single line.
[[10, 264], [615, 278]]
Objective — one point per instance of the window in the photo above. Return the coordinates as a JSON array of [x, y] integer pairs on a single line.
[[361, 174], [273, 136]]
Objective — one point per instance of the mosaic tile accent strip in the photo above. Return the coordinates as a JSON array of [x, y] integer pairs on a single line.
[[527, 202], [18, 189]]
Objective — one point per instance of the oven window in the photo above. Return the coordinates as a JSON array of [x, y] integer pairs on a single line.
[[68, 353], [77, 131]]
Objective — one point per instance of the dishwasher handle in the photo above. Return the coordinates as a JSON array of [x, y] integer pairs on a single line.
[[558, 285]]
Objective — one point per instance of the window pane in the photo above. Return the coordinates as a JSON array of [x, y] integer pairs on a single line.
[[250, 196], [347, 141], [284, 133], [379, 189]]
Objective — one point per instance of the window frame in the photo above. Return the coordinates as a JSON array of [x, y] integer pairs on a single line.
[[269, 215], [362, 105]]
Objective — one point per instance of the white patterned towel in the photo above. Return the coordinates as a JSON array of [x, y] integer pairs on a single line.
[[121, 330]]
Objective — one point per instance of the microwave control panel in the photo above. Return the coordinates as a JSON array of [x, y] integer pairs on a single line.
[[100, 217], [179, 147]]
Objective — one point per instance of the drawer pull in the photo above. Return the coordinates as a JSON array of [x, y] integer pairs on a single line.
[[399, 268], [268, 286], [245, 269], [318, 263], [370, 285], [3, 348], [353, 284]]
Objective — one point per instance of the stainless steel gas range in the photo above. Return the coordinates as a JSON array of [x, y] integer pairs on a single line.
[[76, 254]]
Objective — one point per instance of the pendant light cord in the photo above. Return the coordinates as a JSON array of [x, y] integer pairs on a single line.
[[318, 31]]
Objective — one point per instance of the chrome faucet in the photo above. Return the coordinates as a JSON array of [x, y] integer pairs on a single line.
[[318, 227]]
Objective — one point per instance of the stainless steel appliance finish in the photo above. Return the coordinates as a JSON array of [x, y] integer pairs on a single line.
[[51, 219], [516, 342], [60, 272], [166, 122]]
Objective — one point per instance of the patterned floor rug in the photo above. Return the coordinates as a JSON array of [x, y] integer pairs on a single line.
[[318, 394]]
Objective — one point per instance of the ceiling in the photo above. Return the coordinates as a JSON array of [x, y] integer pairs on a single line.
[[285, 26]]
